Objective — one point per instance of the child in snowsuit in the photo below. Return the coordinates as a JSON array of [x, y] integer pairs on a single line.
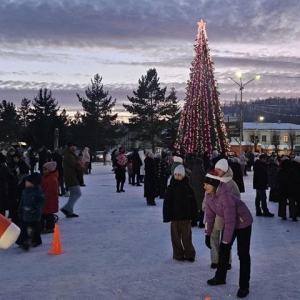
[[180, 208], [32, 202]]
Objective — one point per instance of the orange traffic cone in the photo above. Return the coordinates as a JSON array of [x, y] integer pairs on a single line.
[[56, 245]]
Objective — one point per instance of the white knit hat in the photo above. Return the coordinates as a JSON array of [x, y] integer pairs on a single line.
[[178, 159], [180, 170], [222, 164]]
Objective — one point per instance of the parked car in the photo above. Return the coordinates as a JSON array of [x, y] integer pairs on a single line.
[[99, 156]]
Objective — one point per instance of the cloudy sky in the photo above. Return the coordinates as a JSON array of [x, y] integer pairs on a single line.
[[61, 45]]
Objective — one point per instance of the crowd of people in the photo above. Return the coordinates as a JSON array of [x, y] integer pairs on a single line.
[[198, 190], [30, 188]]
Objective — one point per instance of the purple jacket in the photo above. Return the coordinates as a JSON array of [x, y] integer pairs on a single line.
[[234, 211]]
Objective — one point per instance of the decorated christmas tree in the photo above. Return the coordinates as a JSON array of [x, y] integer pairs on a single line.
[[201, 124]]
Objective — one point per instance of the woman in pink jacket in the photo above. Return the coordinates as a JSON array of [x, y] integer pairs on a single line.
[[237, 224]]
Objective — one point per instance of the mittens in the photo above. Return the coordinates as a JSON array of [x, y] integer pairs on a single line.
[[207, 241]]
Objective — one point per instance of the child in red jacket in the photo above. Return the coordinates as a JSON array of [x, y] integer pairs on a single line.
[[49, 186]]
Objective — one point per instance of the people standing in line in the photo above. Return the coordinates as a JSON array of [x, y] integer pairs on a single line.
[[49, 185], [57, 157], [237, 224], [120, 170], [224, 173], [260, 184], [150, 182], [197, 183], [71, 167], [30, 209], [289, 190], [237, 176], [272, 170], [86, 159], [180, 208], [136, 167]]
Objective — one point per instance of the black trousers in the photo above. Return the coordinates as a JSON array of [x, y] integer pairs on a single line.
[[33, 230], [243, 237], [47, 221], [136, 175]]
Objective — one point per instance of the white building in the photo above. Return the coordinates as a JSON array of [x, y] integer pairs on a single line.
[[263, 134]]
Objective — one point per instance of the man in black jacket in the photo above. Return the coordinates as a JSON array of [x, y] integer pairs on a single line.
[[260, 184]]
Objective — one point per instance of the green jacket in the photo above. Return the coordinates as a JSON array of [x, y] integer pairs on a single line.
[[71, 167]]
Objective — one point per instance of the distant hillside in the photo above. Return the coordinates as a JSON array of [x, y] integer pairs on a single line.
[[272, 109]]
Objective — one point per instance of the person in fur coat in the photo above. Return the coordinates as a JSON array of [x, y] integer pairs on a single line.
[[49, 185]]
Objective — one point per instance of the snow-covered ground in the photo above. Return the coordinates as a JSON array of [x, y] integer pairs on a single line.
[[119, 248]]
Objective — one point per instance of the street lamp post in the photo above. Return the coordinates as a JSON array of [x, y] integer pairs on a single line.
[[241, 87]]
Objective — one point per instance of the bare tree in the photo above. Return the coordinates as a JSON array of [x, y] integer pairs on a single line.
[[275, 139], [292, 138]]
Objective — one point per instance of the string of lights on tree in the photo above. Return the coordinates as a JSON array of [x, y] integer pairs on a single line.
[[201, 125]]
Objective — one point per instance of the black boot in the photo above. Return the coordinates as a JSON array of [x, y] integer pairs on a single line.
[[122, 187], [201, 218], [259, 212]]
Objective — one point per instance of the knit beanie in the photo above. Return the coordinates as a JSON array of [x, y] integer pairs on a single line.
[[34, 178], [51, 166], [222, 164], [177, 159], [180, 170], [212, 178]]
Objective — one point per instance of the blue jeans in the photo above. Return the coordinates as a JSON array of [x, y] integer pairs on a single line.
[[75, 194]]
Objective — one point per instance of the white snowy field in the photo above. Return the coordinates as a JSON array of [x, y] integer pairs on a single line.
[[119, 249]]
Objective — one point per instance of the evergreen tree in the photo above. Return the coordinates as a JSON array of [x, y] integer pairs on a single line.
[[24, 112], [149, 110], [9, 122], [44, 117], [202, 121], [172, 120], [98, 120]]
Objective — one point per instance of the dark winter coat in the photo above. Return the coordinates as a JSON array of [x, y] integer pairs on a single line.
[[6, 180], [120, 172], [31, 204], [49, 185], [273, 170], [260, 175], [59, 163], [197, 181], [136, 161], [288, 181], [233, 210], [71, 167], [164, 170], [150, 182], [238, 175], [180, 202]]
